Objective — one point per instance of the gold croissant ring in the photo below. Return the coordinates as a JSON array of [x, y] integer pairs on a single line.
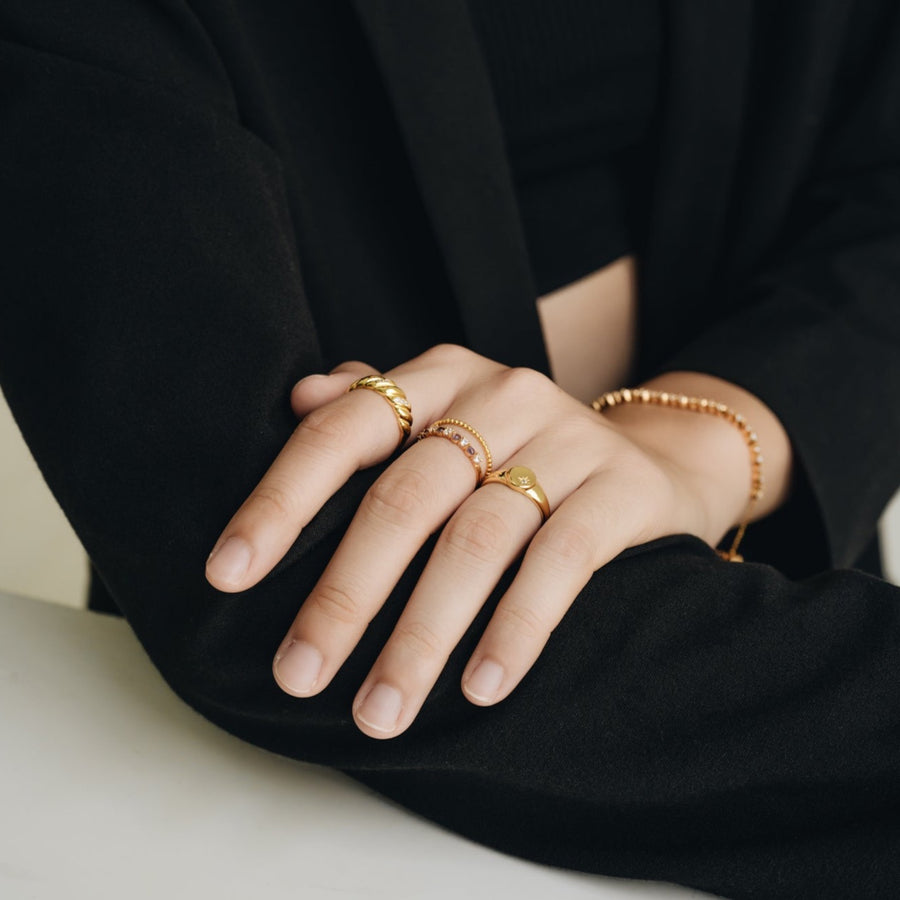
[[392, 393], [461, 433], [523, 480]]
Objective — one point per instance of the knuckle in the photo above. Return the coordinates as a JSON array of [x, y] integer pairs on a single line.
[[397, 498], [522, 621], [612, 516], [522, 382], [351, 365], [337, 604], [567, 547], [275, 500], [420, 640], [446, 354], [652, 494], [479, 534], [330, 424]]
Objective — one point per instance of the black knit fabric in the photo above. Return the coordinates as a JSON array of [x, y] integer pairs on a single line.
[[576, 89]]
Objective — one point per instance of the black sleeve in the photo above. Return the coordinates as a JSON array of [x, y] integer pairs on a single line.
[[691, 720], [816, 332]]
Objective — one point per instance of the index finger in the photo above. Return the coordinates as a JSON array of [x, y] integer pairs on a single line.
[[349, 432], [332, 442]]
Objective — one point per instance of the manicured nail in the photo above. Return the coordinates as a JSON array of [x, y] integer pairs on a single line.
[[381, 708], [485, 681], [298, 667], [230, 562]]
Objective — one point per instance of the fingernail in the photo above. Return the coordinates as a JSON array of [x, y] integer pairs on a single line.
[[230, 562], [485, 681], [298, 667], [381, 708]]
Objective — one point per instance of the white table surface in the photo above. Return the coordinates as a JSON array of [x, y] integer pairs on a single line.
[[110, 786]]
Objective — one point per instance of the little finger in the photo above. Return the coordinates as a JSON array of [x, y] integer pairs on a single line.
[[592, 526]]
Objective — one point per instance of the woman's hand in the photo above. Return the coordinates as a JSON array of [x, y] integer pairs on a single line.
[[612, 482]]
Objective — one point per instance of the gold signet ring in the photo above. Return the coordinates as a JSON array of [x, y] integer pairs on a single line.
[[394, 395], [523, 480]]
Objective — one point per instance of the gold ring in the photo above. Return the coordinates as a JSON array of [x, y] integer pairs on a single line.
[[523, 480], [392, 393], [445, 428]]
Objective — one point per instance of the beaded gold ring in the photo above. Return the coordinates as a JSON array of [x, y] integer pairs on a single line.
[[450, 430]]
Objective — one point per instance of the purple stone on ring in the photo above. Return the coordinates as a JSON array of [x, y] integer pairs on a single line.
[[470, 450], [456, 436]]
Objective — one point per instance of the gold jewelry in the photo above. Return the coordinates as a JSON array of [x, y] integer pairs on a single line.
[[523, 480], [711, 407], [392, 393], [444, 428]]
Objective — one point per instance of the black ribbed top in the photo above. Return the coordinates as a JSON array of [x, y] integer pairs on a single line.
[[576, 88]]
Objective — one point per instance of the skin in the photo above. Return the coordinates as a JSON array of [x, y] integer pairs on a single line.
[[613, 480]]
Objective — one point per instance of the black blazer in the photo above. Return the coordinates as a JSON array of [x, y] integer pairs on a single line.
[[181, 220]]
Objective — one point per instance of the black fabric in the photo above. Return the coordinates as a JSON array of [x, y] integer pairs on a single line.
[[195, 198], [576, 87]]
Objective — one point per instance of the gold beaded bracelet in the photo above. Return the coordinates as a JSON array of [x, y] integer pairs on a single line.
[[711, 407]]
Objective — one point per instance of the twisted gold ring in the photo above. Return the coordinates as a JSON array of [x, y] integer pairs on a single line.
[[523, 480], [450, 429], [394, 395]]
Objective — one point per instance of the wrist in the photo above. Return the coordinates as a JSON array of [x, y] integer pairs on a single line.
[[716, 455]]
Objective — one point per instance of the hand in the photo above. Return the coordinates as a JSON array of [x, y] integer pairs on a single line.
[[610, 486]]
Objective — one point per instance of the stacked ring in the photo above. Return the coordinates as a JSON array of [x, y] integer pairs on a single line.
[[524, 481], [392, 393], [449, 429]]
